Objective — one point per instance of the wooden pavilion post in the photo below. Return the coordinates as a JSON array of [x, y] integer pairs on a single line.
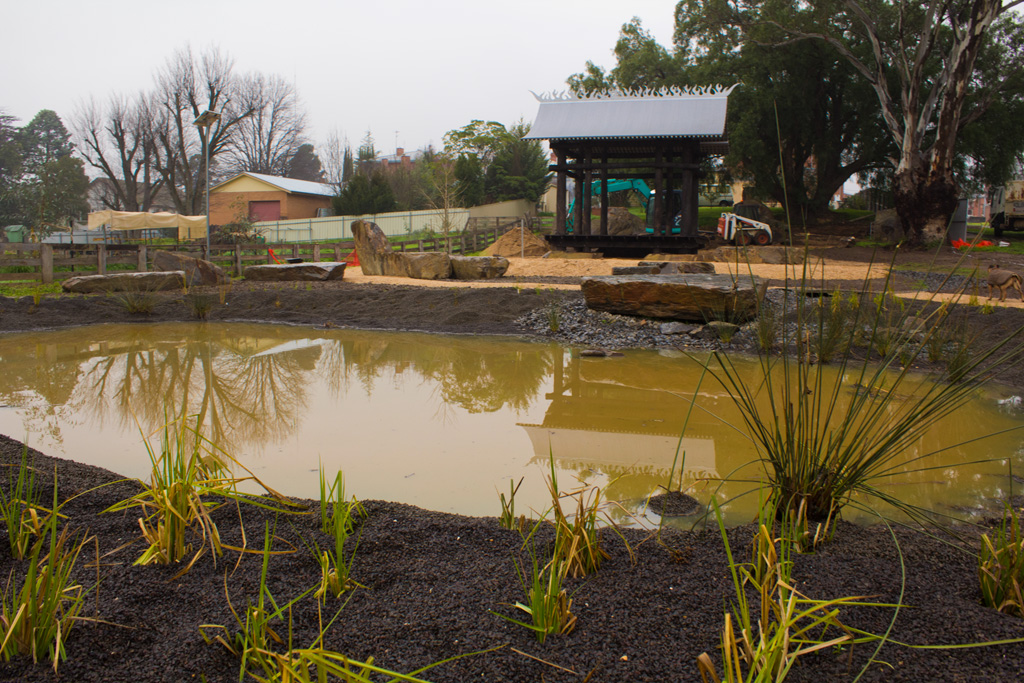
[[659, 191], [604, 193], [560, 192], [577, 219], [688, 185], [588, 193]]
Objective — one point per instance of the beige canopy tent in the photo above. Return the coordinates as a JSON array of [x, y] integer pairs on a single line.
[[189, 227]]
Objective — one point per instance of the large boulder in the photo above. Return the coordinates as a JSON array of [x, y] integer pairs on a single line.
[[296, 272], [197, 271], [696, 297], [427, 265], [478, 267], [125, 282], [377, 258], [373, 249]]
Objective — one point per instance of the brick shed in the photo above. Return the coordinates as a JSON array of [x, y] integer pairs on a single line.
[[267, 198]]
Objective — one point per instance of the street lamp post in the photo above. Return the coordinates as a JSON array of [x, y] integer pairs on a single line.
[[203, 122]]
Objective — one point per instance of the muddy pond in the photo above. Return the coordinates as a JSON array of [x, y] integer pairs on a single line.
[[444, 423]]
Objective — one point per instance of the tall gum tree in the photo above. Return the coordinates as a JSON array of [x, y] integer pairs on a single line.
[[922, 67]]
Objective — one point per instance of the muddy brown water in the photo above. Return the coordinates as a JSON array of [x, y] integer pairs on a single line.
[[444, 423]]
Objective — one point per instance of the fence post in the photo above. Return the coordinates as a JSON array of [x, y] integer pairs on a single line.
[[316, 253], [419, 244], [46, 263], [101, 259], [238, 260], [337, 252], [142, 264], [295, 250], [462, 243], [474, 241]]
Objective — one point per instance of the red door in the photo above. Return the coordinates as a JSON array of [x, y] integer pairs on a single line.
[[265, 211]]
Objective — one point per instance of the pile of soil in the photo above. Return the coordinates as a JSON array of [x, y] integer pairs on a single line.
[[433, 583], [518, 243]]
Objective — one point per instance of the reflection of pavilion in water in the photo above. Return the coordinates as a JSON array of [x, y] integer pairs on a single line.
[[604, 417]]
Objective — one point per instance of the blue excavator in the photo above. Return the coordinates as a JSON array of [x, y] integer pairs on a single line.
[[642, 190], [735, 228]]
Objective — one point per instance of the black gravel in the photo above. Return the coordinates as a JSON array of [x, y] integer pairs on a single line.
[[433, 582]]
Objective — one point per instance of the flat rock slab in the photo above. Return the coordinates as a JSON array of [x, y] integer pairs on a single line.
[[478, 267], [297, 272], [690, 297], [197, 271], [125, 282]]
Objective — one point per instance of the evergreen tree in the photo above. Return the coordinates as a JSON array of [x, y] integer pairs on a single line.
[[305, 165]]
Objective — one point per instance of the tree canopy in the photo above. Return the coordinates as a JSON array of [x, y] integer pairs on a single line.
[[494, 163], [837, 88], [41, 184]]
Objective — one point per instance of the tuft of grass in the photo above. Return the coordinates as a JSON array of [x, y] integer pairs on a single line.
[[508, 519], [577, 541], [176, 503], [335, 563], [554, 318], [547, 603], [40, 610], [1001, 566], [199, 305], [136, 301]]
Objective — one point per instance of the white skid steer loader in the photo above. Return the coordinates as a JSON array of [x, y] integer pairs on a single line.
[[741, 231]]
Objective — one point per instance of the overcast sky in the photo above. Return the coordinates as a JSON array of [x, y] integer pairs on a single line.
[[416, 67]]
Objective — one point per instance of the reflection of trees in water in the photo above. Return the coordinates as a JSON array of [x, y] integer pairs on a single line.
[[235, 398], [476, 376]]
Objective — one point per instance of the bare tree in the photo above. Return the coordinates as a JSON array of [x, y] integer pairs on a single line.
[[332, 154], [443, 194], [118, 141], [186, 87], [264, 141]]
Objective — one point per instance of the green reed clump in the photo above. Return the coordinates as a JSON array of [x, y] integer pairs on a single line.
[[1001, 566], [819, 442], [833, 321], [40, 610], [24, 518], [336, 563], [547, 602], [188, 482]]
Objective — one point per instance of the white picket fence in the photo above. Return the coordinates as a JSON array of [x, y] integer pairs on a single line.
[[335, 228]]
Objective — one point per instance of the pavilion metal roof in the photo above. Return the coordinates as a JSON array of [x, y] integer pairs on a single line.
[[672, 113]]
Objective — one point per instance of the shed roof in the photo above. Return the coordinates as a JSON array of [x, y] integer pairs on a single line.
[[672, 113], [290, 185]]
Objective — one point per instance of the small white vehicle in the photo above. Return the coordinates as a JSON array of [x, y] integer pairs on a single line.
[[1008, 207], [741, 231]]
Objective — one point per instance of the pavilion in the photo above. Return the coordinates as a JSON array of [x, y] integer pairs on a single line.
[[659, 136]]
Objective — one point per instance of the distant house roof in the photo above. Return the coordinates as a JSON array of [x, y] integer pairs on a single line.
[[672, 113], [290, 185]]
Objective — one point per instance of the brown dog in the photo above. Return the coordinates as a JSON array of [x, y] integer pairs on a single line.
[[1003, 280]]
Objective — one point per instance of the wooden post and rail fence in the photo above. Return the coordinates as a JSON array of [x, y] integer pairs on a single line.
[[47, 263]]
